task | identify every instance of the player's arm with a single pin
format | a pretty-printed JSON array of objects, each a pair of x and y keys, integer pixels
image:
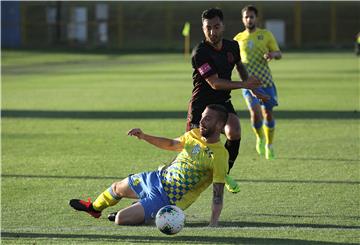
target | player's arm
[
  {"x": 240, "y": 67},
  {"x": 217, "y": 83},
  {"x": 160, "y": 142},
  {"x": 274, "y": 51},
  {"x": 217, "y": 203}
]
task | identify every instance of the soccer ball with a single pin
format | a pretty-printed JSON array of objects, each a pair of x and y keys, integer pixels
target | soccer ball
[{"x": 170, "y": 219}]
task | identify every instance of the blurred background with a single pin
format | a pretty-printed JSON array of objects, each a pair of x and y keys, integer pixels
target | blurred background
[{"x": 157, "y": 26}]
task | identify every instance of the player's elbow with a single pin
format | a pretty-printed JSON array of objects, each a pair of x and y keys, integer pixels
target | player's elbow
[{"x": 215, "y": 86}]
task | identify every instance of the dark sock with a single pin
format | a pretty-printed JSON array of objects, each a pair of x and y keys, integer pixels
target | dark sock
[{"x": 232, "y": 146}]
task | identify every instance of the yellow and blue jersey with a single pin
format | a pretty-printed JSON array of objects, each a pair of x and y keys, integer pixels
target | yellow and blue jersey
[
  {"x": 197, "y": 166},
  {"x": 253, "y": 46}
]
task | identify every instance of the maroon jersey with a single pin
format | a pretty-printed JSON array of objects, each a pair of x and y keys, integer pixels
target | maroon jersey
[{"x": 207, "y": 61}]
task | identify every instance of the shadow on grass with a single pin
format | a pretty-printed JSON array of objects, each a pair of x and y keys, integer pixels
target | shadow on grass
[
  {"x": 320, "y": 159},
  {"x": 241, "y": 224},
  {"x": 166, "y": 114},
  {"x": 264, "y": 181},
  {"x": 166, "y": 239}
]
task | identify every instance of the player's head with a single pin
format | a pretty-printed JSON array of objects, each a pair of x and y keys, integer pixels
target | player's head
[
  {"x": 249, "y": 14},
  {"x": 213, "y": 26},
  {"x": 213, "y": 120}
]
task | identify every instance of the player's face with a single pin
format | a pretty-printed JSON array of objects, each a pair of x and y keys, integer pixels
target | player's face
[
  {"x": 213, "y": 30},
  {"x": 249, "y": 19},
  {"x": 208, "y": 123}
]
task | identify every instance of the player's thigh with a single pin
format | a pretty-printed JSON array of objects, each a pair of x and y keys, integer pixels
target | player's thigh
[
  {"x": 123, "y": 189},
  {"x": 132, "y": 215},
  {"x": 232, "y": 128}
]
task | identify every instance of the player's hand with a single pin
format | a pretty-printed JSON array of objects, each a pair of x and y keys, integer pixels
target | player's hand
[
  {"x": 268, "y": 56},
  {"x": 252, "y": 82},
  {"x": 137, "y": 132},
  {"x": 260, "y": 96}
]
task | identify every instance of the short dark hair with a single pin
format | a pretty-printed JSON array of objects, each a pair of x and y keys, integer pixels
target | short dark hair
[
  {"x": 221, "y": 111},
  {"x": 250, "y": 8},
  {"x": 212, "y": 13}
]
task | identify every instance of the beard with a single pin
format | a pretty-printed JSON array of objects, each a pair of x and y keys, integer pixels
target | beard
[
  {"x": 206, "y": 132},
  {"x": 250, "y": 26},
  {"x": 214, "y": 40}
]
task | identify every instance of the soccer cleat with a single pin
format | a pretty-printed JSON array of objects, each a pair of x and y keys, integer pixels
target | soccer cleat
[
  {"x": 112, "y": 216},
  {"x": 269, "y": 153},
  {"x": 260, "y": 146},
  {"x": 231, "y": 185},
  {"x": 81, "y": 205}
]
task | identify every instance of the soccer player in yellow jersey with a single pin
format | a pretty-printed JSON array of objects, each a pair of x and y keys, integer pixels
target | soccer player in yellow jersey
[
  {"x": 203, "y": 160},
  {"x": 257, "y": 48}
]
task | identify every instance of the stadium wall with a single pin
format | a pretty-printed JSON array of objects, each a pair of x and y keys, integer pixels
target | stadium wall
[{"x": 157, "y": 26}]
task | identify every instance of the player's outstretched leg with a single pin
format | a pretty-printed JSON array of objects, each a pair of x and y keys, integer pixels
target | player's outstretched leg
[
  {"x": 87, "y": 207},
  {"x": 109, "y": 197}
]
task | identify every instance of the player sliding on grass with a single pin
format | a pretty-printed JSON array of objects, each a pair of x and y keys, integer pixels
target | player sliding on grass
[
  {"x": 213, "y": 61},
  {"x": 202, "y": 160},
  {"x": 257, "y": 48}
]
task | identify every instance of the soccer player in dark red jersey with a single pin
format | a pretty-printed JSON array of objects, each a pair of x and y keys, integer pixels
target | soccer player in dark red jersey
[{"x": 213, "y": 61}]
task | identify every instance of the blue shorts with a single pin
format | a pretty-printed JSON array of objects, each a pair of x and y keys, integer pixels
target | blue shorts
[
  {"x": 251, "y": 101},
  {"x": 151, "y": 194}
]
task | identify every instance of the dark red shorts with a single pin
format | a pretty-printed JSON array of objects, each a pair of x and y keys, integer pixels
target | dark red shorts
[{"x": 194, "y": 114}]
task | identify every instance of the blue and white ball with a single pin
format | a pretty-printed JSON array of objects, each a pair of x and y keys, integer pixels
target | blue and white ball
[{"x": 170, "y": 219}]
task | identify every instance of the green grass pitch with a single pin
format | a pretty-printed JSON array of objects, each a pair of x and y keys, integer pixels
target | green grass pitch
[{"x": 64, "y": 123}]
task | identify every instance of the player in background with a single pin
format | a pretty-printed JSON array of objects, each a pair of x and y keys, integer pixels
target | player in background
[
  {"x": 202, "y": 160},
  {"x": 257, "y": 48},
  {"x": 213, "y": 61}
]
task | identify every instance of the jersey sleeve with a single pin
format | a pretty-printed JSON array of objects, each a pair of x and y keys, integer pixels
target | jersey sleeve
[
  {"x": 182, "y": 138},
  {"x": 272, "y": 44},
  {"x": 203, "y": 64},
  {"x": 220, "y": 167}
]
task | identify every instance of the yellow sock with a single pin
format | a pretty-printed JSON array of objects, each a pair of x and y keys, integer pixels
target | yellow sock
[
  {"x": 106, "y": 199},
  {"x": 269, "y": 134},
  {"x": 258, "y": 132}
]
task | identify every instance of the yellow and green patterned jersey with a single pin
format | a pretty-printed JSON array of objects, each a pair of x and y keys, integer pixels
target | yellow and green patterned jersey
[
  {"x": 197, "y": 166},
  {"x": 253, "y": 46}
]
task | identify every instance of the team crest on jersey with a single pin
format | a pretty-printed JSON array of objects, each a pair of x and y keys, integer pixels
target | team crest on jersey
[
  {"x": 196, "y": 149},
  {"x": 230, "y": 57},
  {"x": 260, "y": 37}
]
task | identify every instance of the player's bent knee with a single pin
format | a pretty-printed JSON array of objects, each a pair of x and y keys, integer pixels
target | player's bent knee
[
  {"x": 119, "y": 187},
  {"x": 133, "y": 215},
  {"x": 233, "y": 133}
]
